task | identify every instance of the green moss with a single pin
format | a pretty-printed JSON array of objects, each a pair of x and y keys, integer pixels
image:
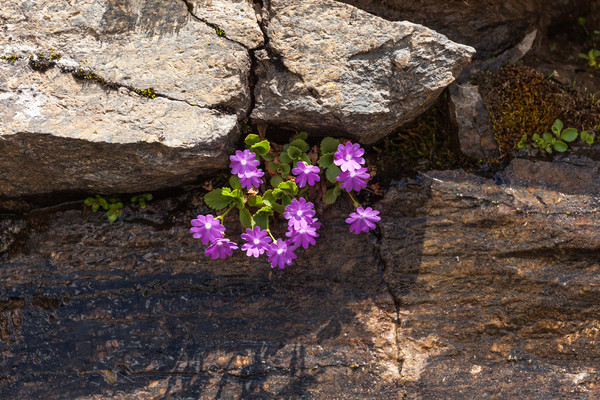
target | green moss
[
  {"x": 521, "y": 102},
  {"x": 88, "y": 75},
  {"x": 11, "y": 58},
  {"x": 147, "y": 93}
]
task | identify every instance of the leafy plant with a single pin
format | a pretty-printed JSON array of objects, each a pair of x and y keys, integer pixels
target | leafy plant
[
  {"x": 113, "y": 206},
  {"x": 592, "y": 57},
  {"x": 291, "y": 176},
  {"x": 141, "y": 199},
  {"x": 557, "y": 140}
]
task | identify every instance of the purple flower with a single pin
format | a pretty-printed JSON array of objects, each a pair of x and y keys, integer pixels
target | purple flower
[
  {"x": 299, "y": 213},
  {"x": 243, "y": 162},
  {"x": 304, "y": 236},
  {"x": 348, "y": 157},
  {"x": 220, "y": 248},
  {"x": 207, "y": 228},
  {"x": 306, "y": 173},
  {"x": 363, "y": 219},
  {"x": 251, "y": 179},
  {"x": 258, "y": 241},
  {"x": 280, "y": 253},
  {"x": 353, "y": 180}
]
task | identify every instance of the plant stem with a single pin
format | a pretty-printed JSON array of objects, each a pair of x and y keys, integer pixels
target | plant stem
[
  {"x": 220, "y": 217},
  {"x": 269, "y": 231},
  {"x": 356, "y": 203}
]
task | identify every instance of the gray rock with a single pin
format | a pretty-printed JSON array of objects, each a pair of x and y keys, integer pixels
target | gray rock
[
  {"x": 334, "y": 68},
  {"x": 475, "y": 132},
  {"x": 60, "y": 133},
  {"x": 237, "y": 18}
]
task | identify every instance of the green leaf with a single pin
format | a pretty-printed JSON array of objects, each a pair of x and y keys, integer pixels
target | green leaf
[
  {"x": 278, "y": 207},
  {"x": 89, "y": 201},
  {"x": 216, "y": 200},
  {"x": 330, "y": 196},
  {"x": 268, "y": 157},
  {"x": 276, "y": 180},
  {"x": 284, "y": 158},
  {"x": 326, "y": 160},
  {"x": 301, "y": 144},
  {"x": 147, "y": 196},
  {"x": 261, "y": 220},
  {"x": 547, "y": 137},
  {"x": 560, "y": 146},
  {"x": 286, "y": 201},
  {"x": 255, "y": 201},
  {"x": 302, "y": 135},
  {"x": 283, "y": 169},
  {"x": 251, "y": 139},
  {"x": 584, "y": 56},
  {"x": 289, "y": 187},
  {"x": 234, "y": 182},
  {"x": 268, "y": 197},
  {"x": 332, "y": 173},
  {"x": 113, "y": 214},
  {"x": 293, "y": 152},
  {"x": 304, "y": 157},
  {"x": 95, "y": 207},
  {"x": 245, "y": 218},
  {"x": 277, "y": 193},
  {"x": 557, "y": 127},
  {"x": 142, "y": 203},
  {"x": 262, "y": 147},
  {"x": 568, "y": 135},
  {"x": 329, "y": 145}
]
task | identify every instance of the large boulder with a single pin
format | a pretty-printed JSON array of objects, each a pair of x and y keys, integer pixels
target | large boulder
[
  {"x": 117, "y": 97},
  {"x": 330, "y": 67}
]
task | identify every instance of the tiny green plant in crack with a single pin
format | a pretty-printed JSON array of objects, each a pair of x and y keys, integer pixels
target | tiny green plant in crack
[
  {"x": 592, "y": 57},
  {"x": 113, "y": 206},
  {"x": 558, "y": 139},
  {"x": 141, "y": 199},
  {"x": 220, "y": 32}
]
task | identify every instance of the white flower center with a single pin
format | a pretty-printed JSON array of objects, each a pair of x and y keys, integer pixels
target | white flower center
[
  {"x": 243, "y": 162},
  {"x": 299, "y": 213},
  {"x": 219, "y": 243},
  {"x": 352, "y": 174},
  {"x": 256, "y": 241},
  {"x": 207, "y": 225},
  {"x": 348, "y": 157},
  {"x": 279, "y": 251}
]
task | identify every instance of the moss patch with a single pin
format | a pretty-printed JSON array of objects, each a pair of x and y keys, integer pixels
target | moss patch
[{"x": 521, "y": 101}]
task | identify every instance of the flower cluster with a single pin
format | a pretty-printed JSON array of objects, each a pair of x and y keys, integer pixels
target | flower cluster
[
  {"x": 244, "y": 164},
  {"x": 291, "y": 174}
]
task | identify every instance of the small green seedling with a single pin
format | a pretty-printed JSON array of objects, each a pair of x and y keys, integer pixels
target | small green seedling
[
  {"x": 522, "y": 143},
  {"x": 592, "y": 57},
  {"x": 113, "y": 206},
  {"x": 557, "y": 140},
  {"x": 141, "y": 199},
  {"x": 587, "y": 137}
]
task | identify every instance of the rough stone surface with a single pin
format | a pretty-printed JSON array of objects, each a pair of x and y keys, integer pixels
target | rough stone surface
[
  {"x": 61, "y": 133},
  {"x": 496, "y": 286},
  {"x": 237, "y": 18},
  {"x": 470, "y": 289},
  {"x": 475, "y": 132},
  {"x": 134, "y": 310},
  {"x": 490, "y": 26},
  {"x": 331, "y": 67}
]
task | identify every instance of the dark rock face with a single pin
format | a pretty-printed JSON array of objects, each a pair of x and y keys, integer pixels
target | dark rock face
[
  {"x": 491, "y": 27},
  {"x": 471, "y": 290}
]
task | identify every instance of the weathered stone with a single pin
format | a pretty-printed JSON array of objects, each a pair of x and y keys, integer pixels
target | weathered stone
[
  {"x": 92, "y": 133},
  {"x": 496, "y": 287},
  {"x": 236, "y": 17},
  {"x": 489, "y": 26},
  {"x": 572, "y": 175},
  {"x": 59, "y": 135},
  {"x": 135, "y": 310},
  {"x": 475, "y": 132},
  {"x": 336, "y": 69}
]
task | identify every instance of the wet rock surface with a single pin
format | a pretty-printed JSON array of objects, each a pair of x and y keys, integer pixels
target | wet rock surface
[
  {"x": 470, "y": 288},
  {"x": 331, "y": 67}
]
